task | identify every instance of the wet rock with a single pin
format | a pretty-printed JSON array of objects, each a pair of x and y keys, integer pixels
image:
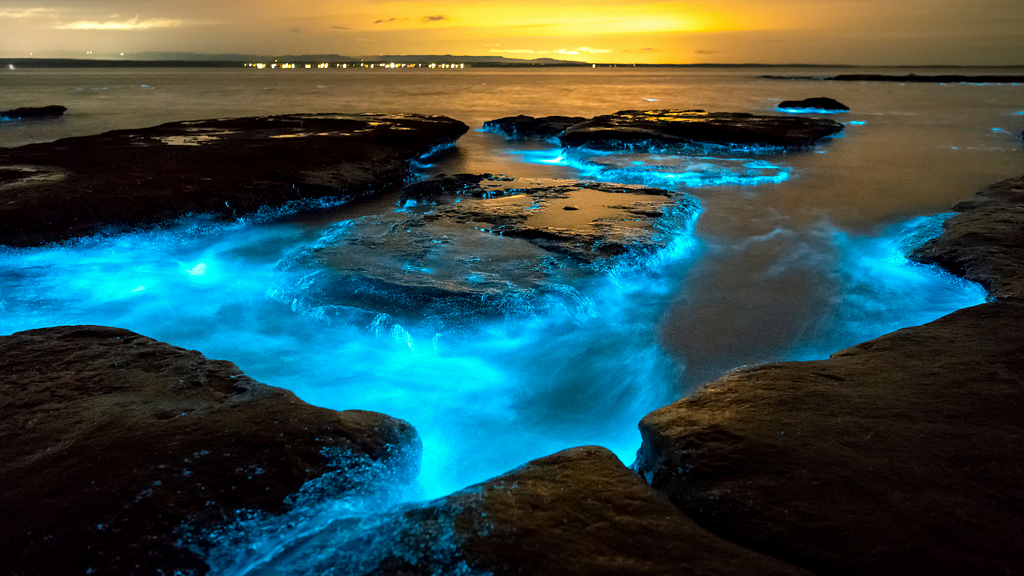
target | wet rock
[
  {"x": 112, "y": 445},
  {"x": 897, "y": 456},
  {"x": 676, "y": 130},
  {"x": 131, "y": 178},
  {"x": 521, "y": 126},
  {"x": 814, "y": 105},
  {"x": 577, "y": 512},
  {"x": 29, "y": 113},
  {"x": 984, "y": 241},
  {"x": 469, "y": 246}
]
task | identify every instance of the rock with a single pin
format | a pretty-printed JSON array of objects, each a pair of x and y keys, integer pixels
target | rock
[
  {"x": 670, "y": 130},
  {"x": 229, "y": 168},
  {"x": 33, "y": 113},
  {"x": 514, "y": 127},
  {"x": 113, "y": 445},
  {"x": 470, "y": 246},
  {"x": 813, "y": 105},
  {"x": 577, "y": 512},
  {"x": 901, "y": 455},
  {"x": 938, "y": 79},
  {"x": 984, "y": 241}
]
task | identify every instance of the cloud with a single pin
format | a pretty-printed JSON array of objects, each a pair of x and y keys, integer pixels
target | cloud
[
  {"x": 130, "y": 24},
  {"x": 388, "y": 20},
  {"x": 340, "y": 28},
  {"x": 705, "y": 51},
  {"x": 433, "y": 18},
  {"x": 581, "y": 50},
  {"x": 25, "y": 12},
  {"x": 296, "y": 30},
  {"x": 521, "y": 51},
  {"x": 642, "y": 51}
]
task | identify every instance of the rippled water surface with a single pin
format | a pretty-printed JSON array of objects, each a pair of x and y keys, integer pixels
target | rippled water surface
[{"x": 789, "y": 256}]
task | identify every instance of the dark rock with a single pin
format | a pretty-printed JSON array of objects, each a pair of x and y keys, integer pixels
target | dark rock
[
  {"x": 901, "y": 455},
  {"x": 131, "y": 178},
  {"x": 33, "y": 113},
  {"x": 467, "y": 246},
  {"x": 577, "y": 512},
  {"x": 659, "y": 130},
  {"x": 984, "y": 241},
  {"x": 521, "y": 126},
  {"x": 814, "y": 105},
  {"x": 111, "y": 443},
  {"x": 938, "y": 79}
]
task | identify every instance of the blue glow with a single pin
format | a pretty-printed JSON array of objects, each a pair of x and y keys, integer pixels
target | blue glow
[
  {"x": 811, "y": 111},
  {"x": 857, "y": 122}
]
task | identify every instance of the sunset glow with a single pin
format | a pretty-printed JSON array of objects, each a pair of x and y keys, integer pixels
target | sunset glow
[{"x": 600, "y": 31}]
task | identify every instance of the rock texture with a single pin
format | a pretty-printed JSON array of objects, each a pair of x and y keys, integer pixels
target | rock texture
[
  {"x": 479, "y": 245},
  {"x": 112, "y": 441},
  {"x": 658, "y": 130},
  {"x": 40, "y": 113},
  {"x": 577, "y": 512},
  {"x": 514, "y": 127},
  {"x": 814, "y": 105},
  {"x": 901, "y": 455},
  {"x": 130, "y": 178},
  {"x": 984, "y": 241}
]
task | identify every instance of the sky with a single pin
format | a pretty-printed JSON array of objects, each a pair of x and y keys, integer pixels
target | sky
[{"x": 864, "y": 32}]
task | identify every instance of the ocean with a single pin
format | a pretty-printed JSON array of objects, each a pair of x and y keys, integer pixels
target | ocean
[{"x": 793, "y": 256}]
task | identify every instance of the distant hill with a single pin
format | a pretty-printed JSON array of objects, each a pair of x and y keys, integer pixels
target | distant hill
[{"x": 186, "y": 59}]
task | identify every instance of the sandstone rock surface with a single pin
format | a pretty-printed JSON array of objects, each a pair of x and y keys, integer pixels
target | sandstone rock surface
[
  {"x": 657, "y": 130},
  {"x": 113, "y": 443},
  {"x": 901, "y": 455},
  {"x": 130, "y": 178},
  {"x": 984, "y": 241},
  {"x": 514, "y": 127}
]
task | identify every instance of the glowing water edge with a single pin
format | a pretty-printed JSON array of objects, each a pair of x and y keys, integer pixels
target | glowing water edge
[{"x": 790, "y": 257}]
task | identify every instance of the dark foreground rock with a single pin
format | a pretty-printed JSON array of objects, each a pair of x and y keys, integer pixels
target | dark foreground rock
[
  {"x": 577, "y": 512},
  {"x": 937, "y": 78},
  {"x": 470, "y": 246},
  {"x": 658, "y": 130},
  {"x": 39, "y": 113},
  {"x": 984, "y": 241},
  {"x": 514, "y": 127},
  {"x": 901, "y": 455},
  {"x": 111, "y": 442},
  {"x": 130, "y": 178},
  {"x": 814, "y": 105}
]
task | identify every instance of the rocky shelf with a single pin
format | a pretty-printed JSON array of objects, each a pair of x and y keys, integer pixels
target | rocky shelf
[
  {"x": 229, "y": 168},
  {"x": 33, "y": 113},
  {"x": 117, "y": 448}
]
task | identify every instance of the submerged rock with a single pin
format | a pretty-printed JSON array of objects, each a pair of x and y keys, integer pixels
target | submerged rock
[
  {"x": 671, "y": 130},
  {"x": 29, "y": 113},
  {"x": 475, "y": 245},
  {"x": 938, "y": 78},
  {"x": 814, "y": 105},
  {"x": 521, "y": 126},
  {"x": 897, "y": 456},
  {"x": 984, "y": 241},
  {"x": 130, "y": 178},
  {"x": 577, "y": 512},
  {"x": 115, "y": 447}
]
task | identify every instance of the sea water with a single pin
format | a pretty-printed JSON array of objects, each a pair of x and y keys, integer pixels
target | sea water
[{"x": 791, "y": 256}]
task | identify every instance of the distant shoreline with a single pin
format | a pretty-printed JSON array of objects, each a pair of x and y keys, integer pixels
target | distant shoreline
[{"x": 302, "y": 62}]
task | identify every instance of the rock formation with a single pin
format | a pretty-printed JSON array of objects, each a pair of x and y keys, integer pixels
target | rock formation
[
  {"x": 661, "y": 130},
  {"x": 516, "y": 127},
  {"x": 114, "y": 446},
  {"x": 130, "y": 178},
  {"x": 29, "y": 113},
  {"x": 813, "y": 105}
]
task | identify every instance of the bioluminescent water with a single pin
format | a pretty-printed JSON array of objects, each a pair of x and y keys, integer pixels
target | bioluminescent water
[{"x": 760, "y": 257}]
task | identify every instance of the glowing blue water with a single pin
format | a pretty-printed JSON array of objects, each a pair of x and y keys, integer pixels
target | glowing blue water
[{"x": 811, "y": 111}]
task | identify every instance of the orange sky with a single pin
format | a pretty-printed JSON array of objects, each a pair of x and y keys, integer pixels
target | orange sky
[{"x": 969, "y": 32}]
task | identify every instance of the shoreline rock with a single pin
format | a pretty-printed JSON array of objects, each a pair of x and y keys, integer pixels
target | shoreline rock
[
  {"x": 127, "y": 179},
  {"x": 30, "y": 113},
  {"x": 938, "y": 78},
  {"x": 114, "y": 445},
  {"x": 658, "y": 130},
  {"x": 819, "y": 104},
  {"x": 522, "y": 127}
]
